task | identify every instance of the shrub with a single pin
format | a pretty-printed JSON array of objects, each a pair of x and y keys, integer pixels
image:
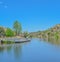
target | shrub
[
  {"x": 26, "y": 34},
  {"x": 9, "y": 32}
]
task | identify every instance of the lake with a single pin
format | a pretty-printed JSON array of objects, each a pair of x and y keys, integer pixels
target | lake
[{"x": 35, "y": 51}]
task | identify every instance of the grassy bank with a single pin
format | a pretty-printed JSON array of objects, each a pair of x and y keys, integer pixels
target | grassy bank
[{"x": 7, "y": 42}]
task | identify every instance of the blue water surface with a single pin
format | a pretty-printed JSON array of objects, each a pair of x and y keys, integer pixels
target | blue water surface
[{"x": 34, "y": 51}]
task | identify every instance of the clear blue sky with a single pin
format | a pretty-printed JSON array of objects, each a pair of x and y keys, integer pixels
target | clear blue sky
[{"x": 34, "y": 15}]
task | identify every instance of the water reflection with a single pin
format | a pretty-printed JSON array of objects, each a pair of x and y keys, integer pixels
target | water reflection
[
  {"x": 2, "y": 49},
  {"x": 15, "y": 49},
  {"x": 52, "y": 40},
  {"x": 34, "y": 51}
]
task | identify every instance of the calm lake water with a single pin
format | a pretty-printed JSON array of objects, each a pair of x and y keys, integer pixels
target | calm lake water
[{"x": 34, "y": 51}]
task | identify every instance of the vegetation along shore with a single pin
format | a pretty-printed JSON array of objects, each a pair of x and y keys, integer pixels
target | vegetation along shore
[
  {"x": 52, "y": 34},
  {"x": 16, "y": 33},
  {"x": 8, "y": 35}
]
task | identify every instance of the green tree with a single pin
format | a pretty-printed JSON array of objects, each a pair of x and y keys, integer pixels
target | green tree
[
  {"x": 17, "y": 27},
  {"x": 2, "y": 31},
  {"x": 9, "y": 32},
  {"x": 26, "y": 34},
  {"x": 56, "y": 35}
]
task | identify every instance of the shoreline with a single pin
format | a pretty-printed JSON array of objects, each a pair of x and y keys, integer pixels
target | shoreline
[{"x": 11, "y": 40}]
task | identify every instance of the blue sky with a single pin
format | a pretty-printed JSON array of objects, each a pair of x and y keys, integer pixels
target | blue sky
[{"x": 34, "y": 15}]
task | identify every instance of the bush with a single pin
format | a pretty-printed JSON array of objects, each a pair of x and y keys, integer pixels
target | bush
[
  {"x": 9, "y": 32},
  {"x": 26, "y": 34}
]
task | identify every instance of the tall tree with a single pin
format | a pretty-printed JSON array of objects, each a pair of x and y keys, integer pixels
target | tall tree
[{"x": 17, "y": 27}]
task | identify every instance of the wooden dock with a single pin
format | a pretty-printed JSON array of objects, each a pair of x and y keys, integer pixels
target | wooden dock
[{"x": 15, "y": 40}]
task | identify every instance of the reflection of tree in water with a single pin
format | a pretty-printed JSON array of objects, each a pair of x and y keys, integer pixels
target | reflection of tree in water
[
  {"x": 5, "y": 48},
  {"x": 17, "y": 51},
  {"x": 1, "y": 49},
  {"x": 52, "y": 40},
  {"x": 8, "y": 49}
]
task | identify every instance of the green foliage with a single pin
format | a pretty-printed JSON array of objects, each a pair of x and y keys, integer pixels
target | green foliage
[
  {"x": 56, "y": 35},
  {"x": 26, "y": 34},
  {"x": 2, "y": 31},
  {"x": 30, "y": 36},
  {"x": 8, "y": 42},
  {"x": 9, "y": 32},
  {"x": 17, "y": 27}
]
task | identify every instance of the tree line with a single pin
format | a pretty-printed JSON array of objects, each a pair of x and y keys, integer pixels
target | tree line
[
  {"x": 8, "y": 32},
  {"x": 16, "y": 31}
]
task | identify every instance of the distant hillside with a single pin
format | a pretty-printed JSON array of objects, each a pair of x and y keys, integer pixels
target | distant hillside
[{"x": 53, "y": 32}]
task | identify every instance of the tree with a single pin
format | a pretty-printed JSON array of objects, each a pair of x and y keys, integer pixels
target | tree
[
  {"x": 9, "y": 32},
  {"x": 2, "y": 31},
  {"x": 17, "y": 27},
  {"x": 26, "y": 34},
  {"x": 56, "y": 35}
]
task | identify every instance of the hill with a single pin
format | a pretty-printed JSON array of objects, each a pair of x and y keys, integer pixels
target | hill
[{"x": 53, "y": 32}]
